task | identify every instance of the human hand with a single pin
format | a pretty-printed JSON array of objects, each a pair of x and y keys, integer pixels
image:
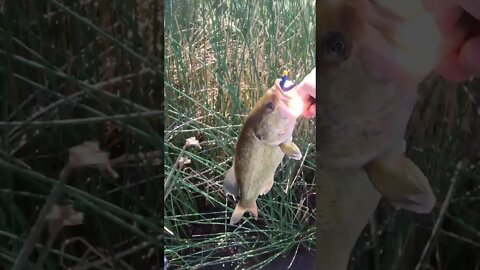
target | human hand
[
  {"x": 459, "y": 24},
  {"x": 307, "y": 89}
]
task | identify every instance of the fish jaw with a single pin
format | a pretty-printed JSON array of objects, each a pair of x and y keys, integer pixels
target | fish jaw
[{"x": 292, "y": 103}]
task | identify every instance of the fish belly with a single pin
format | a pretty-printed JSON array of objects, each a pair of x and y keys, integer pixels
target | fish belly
[{"x": 257, "y": 168}]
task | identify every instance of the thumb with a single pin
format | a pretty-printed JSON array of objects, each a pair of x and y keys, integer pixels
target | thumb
[
  {"x": 470, "y": 55},
  {"x": 307, "y": 87}
]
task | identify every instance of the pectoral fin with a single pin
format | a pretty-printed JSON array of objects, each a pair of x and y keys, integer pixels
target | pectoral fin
[
  {"x": 291, "y": 150},
  {"x": 402, "y": 183},
  {"x": 230, "y": 183}
]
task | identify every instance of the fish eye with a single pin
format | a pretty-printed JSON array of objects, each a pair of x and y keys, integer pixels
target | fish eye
[
  {"x": 270, "y": 106},
  {"x": 335, "y": 46}
]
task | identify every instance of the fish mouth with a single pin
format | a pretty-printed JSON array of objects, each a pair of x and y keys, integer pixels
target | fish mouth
[
  {"x": 290, "y": 100},
  {"x": 294, "y": 102}
]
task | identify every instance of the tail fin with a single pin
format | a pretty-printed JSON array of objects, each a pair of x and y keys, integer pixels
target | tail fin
[{"x": 239, "y": 211}]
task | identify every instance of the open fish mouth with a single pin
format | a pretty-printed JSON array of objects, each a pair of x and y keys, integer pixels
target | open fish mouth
[
  {"x": 301, "y": 104},
  {"x": 291, "y": 101}
]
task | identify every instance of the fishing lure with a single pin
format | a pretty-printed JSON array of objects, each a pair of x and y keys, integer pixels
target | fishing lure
[{"x": 284, "y": 80}]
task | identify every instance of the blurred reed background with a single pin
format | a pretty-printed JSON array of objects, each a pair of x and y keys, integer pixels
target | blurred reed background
[{"x": 70, "y": 72}]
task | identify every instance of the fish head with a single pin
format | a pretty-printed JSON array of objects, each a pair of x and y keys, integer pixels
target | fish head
[
  {"x": 377, "y": 40},
  {"x": 274, "y": 117},
  {"x": 369, "y": 65}
]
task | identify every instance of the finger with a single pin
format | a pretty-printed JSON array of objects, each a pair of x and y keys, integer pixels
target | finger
[
  {"x": 471, "y": 6},
  {"x": 470, "y": 56},
  {"x": 452, "y": 69},
  {"x": 306, "y": 90},
  {"x": 447, "y": 19},
  {"x": 435, "y": 5},
  {"x": 307, "y": 85}
]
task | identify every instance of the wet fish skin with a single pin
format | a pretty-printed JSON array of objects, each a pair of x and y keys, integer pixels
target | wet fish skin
[{"x": 266, "y": 137}]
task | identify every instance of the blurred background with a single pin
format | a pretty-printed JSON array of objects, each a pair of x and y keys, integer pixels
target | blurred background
[
  {"x": 70, "y": 72},
  {"x": 220, "y": 57}
]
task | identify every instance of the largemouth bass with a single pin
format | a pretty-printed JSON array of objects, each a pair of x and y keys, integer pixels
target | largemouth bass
[
  {"x": 266, "y": 137},
  {"x": 370, "y": 61},
  {"x": 368, "y": 77}
]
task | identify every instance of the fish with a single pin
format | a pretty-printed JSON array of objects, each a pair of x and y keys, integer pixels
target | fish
[
  {"x": 368, "y": 88},
  {"x": 264, "y": 140},
  {"x": 369, "y": 65}
]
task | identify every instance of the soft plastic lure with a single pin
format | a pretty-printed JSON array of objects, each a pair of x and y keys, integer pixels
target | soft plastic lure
[{"x": 284, "y": 80}]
